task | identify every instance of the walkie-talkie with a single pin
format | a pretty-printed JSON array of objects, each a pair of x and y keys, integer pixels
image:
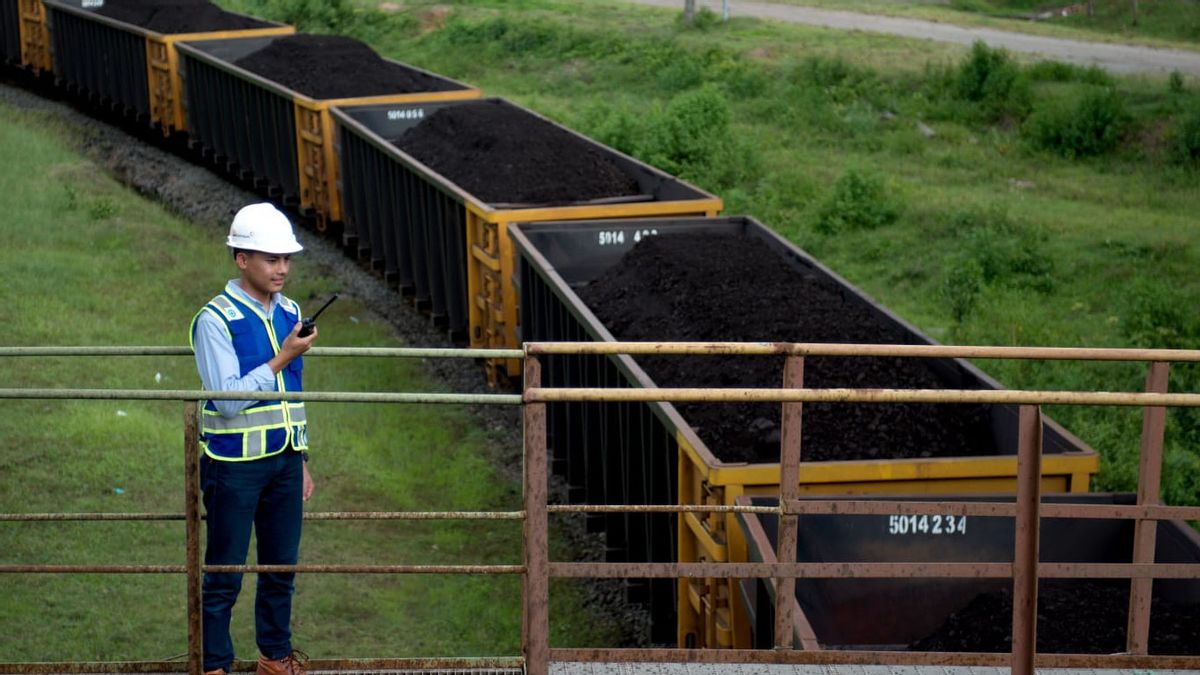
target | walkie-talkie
[{"x": 307, "y": 323}]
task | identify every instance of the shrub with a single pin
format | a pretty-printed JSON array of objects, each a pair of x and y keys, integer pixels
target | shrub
[
  {"x": 704, "y": 19},
  {"x": 859, "y": 202},
  {"x": 1097, "y": 76},
  {"x": 684, "y": 73},
  {"x": 314, "y": 15},
  {"x": 102, "y": 209},
  {"x": 1156, "y": 315},
  {"x": 690, "y": 130},
  {"x": 961, "y": 285},
  {"x": 840, "y": 81},
  {"x": 1187, "y": 140},
  {"x": 615, "y": 127},
  {"x": 1175, "y": 82},
  {"x": 992, "y": 80},
  {"x": 1080, "y": 126},
  {"x": 689, "y": 138},
  {"x": 1008, "y": 253},
  {"x": 1052, "y": 71}
]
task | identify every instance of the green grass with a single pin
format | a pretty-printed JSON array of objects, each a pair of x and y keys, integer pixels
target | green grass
[
  {"x": 1096, "y": 251},
  {"x": 90, "y": 263}
]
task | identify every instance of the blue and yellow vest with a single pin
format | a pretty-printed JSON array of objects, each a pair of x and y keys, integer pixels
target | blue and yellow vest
[{"x": 266, "y": 427}]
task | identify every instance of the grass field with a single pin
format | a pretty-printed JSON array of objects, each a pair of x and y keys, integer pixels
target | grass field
[
  {"x": 90, "y": 263},
  {"x": 1012, "y": 226}
]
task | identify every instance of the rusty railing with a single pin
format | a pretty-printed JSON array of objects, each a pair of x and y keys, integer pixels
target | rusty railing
[{"x": 538, "y": 569}]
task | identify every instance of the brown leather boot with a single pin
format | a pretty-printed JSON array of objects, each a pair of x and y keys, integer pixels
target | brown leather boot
[{"x": 292, "y": 664}]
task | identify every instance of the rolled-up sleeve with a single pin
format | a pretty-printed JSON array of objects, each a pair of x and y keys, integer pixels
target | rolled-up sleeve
[{"x": 218, "y": 365}]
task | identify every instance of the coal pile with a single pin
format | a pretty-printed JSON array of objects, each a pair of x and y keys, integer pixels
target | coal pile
[
  {"x": 1074, "y": 617},
  {"x": 504, "y": 155},
  {"x": 331, "y": 66},
  {"x": 708, "y": 286},
  {"x": 171, "y": 17}
]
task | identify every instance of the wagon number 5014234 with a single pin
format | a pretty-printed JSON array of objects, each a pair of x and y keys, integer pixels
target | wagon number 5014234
[{"x": 927, "y": 525}]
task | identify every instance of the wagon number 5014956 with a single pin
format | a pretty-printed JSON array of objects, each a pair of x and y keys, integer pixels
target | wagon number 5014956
[{"x": 927, "y": 525}]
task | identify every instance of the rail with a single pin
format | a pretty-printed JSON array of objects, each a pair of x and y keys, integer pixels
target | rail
[{"x": 538, "y": 569}]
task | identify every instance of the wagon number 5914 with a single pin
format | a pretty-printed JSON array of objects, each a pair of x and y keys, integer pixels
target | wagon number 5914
[{"x": 927, "y": 525}]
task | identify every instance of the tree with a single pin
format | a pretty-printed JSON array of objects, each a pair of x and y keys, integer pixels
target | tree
[{"x": 689, "y": 10}]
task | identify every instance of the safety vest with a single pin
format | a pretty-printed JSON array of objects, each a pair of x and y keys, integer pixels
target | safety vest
[{"x": 266, "y": 427}]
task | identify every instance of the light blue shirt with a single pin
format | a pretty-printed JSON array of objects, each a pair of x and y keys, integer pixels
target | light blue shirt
[{"x": 218, "y": 362}]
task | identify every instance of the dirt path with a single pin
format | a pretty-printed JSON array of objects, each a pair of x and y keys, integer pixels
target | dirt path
[{"x": 1115, "y": 58}]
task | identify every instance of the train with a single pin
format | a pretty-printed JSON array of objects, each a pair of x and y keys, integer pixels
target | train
[{"x": 495, "y": 260}]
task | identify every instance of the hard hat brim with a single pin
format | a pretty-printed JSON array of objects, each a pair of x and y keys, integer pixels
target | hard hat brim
[{"x": 286, "y": 249}]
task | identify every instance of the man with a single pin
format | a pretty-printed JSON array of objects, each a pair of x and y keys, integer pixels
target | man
[{"x": 254, "y": 472}]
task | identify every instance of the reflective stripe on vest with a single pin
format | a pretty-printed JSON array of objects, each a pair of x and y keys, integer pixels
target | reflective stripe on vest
[{"x": 250, "y": 419}]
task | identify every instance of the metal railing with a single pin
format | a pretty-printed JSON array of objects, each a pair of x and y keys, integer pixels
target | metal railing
[{"x": 538, "y": 569}]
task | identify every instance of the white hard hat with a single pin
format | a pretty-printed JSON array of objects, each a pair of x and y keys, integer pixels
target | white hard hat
[{"x": 262, "y": 227}]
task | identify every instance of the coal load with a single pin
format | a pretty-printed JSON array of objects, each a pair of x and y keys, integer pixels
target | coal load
[
  {"x": 1074, "y": 617},
  {"x": 709, "y": 286},
  {"x": 331, "y": 66},
  {"x": 171, "y": 17},
  {"x": 501, "y": 154}
]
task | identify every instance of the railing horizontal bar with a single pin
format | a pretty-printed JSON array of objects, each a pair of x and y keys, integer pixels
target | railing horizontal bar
[
  {"x": 795, "y": 507},
  {"x": 398, "y": 352},
  {"x": 739, "y": 570},
  {"x": 375, "y": 664},
  {"x": 845, "y": 570},
  {"x": 318, "y": 569},
  {"x": 416, "y": 515},
  {"x": 869, "y": 570},
  {"x": 826, "y": 349},
  {"x": 672, "y": 348},
  {"x": 309, "y": 396},
  {"x": 371, "y": 569},
  {"x": 549, "y": 395},
  {"x": 984, "y": 396},
  {"x": 93, "y": 569},
  {"x": 866, "y": 658},
  {"x": 988, "y": 509},
  {"x": 661, "y": 508},
  {"x": 34, "y": 517},
  {"x": 315, "y": 515}
]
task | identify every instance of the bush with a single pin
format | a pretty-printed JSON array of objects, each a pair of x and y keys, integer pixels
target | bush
[
  {"x": 990, "y": 78},
  {"x": 961, "y": 285},
  {"x": 679, "y": 75},
  {"x": 1156, "y": 315},
  {"x": 689, "y": 138},
  {"x": 1175, "y": 82},
  {"x": 1007, "y": 252},
  {"x": 1187, "y": 140},
  {"x": 705, "y": 19},
  {"x": 1080, "y": 126},
  {"x": 690, "y": 130},
  {"x": 859, "y": 202},
  {"x": 314, "y": 15}
]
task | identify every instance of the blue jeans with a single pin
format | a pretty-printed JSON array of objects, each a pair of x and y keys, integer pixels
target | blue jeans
[{"x": 266, "y": 494}]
